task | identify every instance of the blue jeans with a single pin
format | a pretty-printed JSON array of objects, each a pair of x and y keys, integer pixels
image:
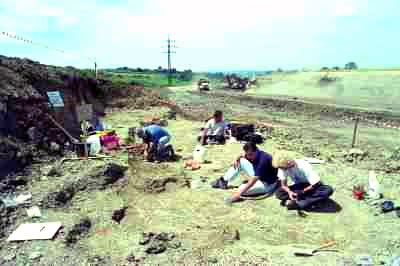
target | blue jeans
[{"x": 162, "y": 142}]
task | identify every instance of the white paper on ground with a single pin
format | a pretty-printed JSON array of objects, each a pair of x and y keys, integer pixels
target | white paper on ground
[
  {"x": 34, "y": 212},
  {"x": 23, "y": 198},
  {"x": 33, "y": 231}
]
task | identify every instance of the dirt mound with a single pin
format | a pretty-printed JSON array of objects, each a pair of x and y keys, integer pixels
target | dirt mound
[
  {"x": 60, "y": 199},
  {"x": 155, "y": 178},
  {"x": 78, "y": 231},
  {"x": 99, "y": 178},
  {"x": 159, "y": 242},
  {"x": 8, "y": 216}
]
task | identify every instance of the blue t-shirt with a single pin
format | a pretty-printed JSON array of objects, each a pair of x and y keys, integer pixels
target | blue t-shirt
[
  {"x": 263, "y": 168},
  {"x": 155, "y": 133}
]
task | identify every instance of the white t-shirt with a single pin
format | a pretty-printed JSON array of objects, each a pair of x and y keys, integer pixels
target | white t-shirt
[
  {"x": 302, "y": 172},
  {"x": 215, "y": 128}
]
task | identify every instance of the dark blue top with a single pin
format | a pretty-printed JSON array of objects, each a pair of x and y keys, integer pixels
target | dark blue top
[
  {"x": 263, "y": 168},
  {"x": 155, "y": 133}
]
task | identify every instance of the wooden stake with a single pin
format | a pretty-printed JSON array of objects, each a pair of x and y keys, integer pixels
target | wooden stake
[{"x": 355, "y": 132}]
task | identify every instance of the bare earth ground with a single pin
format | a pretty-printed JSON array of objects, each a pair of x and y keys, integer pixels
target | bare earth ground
[{"x": 204, "y": 225}]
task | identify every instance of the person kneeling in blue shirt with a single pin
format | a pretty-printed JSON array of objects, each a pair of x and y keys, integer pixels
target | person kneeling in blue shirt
[{"x": 156, "y": 139}]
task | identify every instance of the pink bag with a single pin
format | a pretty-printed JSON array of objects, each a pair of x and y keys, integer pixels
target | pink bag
[{"x": 110, "y": 142}]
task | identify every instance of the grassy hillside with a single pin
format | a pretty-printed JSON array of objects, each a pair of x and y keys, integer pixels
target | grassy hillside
[
  {"x": 148, "y": 79},
  {"x": 367, "y": 89}
]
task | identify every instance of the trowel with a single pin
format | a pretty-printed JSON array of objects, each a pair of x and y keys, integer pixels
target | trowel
[{"x": 311, "y": 251}]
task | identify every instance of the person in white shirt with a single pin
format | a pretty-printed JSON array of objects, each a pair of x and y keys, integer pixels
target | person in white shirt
[
  {"x": 307, "y": 188},
  {"x": 214, "y": 130}
]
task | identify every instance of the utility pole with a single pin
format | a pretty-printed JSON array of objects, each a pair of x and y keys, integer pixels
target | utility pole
[{"x": 170, "y": 45}]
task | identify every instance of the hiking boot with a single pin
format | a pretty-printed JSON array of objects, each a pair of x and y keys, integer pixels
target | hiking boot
[
  {"x": 220, "y": 183},
  {"x": 292, "y": 205}
]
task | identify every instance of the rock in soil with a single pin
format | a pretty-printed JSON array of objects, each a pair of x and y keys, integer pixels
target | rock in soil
[
  {"x": 131, "y": 258},
  {"x": 174, "y": 244},
  {"x": 165, "y": 236},
  {"x": 118, "y": 215},
  {"x": 35, "y": 255},
  {"x": 146, "y": 237},
  {"x": 101, "y": 177},
  {"x": 55, "y": 170},
  {"x": 156, "y": 247},
  {"x": 213, "y": 260},
  {"x": 99, "y": 261},
  {"x": 61, "y": 198},
  {"x": 79, "y": 231},
  {"x": 159, "y": 242}
]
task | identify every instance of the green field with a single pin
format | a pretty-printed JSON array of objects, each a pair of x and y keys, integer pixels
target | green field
[
  {"x": 147, "y": 79},
  {"x": 366, "y": 89}
]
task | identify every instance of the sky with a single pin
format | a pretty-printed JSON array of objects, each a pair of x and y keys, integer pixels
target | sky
[{"x": 210, "y": 35}]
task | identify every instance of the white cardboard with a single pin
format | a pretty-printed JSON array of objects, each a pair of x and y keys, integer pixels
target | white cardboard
[{"x": 33, "y": 231}]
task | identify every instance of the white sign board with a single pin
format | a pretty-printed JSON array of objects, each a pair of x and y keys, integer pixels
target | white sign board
[{"x": 55, "y": 98}]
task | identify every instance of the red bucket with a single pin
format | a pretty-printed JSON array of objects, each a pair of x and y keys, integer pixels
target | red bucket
[{"x": 358, "y": 195}]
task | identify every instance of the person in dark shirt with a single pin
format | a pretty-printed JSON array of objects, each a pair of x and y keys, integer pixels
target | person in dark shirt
[{"x": 257, "y": 165}]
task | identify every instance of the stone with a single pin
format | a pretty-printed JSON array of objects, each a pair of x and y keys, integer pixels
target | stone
[
  {"x": 156, "y": 247},
  {"x": 119, "y": 214},
  {"x": 10, "y": 256},
  {"x": 165, "y": 236},
  {"x": 35, "y": 255},
  {"x": 213, "y": 260},
  {"x": 55, "y": 171},
  {"x": 146, "y": 237},
  {"x": 78, "y": 231},
  {"x": 54, "y": 147},
  {"x": 174, "y": 244}
]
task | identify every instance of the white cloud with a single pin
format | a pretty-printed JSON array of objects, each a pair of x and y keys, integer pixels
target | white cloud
[{"x": 33, "y": 15}]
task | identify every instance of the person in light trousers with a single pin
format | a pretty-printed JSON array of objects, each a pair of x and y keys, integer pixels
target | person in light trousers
[{"x": 257, "y": 165}]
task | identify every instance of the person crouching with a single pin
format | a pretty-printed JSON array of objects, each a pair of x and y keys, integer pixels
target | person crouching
[
  {"x": 214, "y": 131},
  {"x": 307, "y": 188},
  {"x": 156, "y": 138}
]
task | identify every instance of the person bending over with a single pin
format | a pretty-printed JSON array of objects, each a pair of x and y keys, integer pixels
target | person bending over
[
  {"x": 155, "y": 138},
  {"x": 307, "y": 187}
]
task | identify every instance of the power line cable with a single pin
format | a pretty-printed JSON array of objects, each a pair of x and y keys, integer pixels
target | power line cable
[{"x": 28, "y": 41}]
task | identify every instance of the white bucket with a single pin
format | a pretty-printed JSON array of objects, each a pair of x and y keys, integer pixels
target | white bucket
[
  {"x": 374, "y": 190},
  {"x": 95, "y": 146},
  {"x": 200, "y": 154}
]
